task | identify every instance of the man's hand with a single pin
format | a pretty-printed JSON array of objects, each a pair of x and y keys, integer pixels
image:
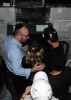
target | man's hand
[
  {"x": 37, "y": 67},
  {"x": 25, "y": 48}
]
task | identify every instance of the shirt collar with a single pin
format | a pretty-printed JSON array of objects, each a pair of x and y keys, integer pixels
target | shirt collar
[{"x": 16, "y": 42}]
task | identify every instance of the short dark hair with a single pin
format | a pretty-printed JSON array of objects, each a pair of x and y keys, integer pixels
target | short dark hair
[
  {"x": 19, "y": 26},
  {"x": 50, "y": 34}
]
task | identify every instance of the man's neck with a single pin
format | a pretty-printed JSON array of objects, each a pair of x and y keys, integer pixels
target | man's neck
[{"x": 17, "y": 38}]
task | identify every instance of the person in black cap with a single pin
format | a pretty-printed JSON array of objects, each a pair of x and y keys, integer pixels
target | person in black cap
[
  {"x": 35, "y": 52},
  {"x": 34, "y": 56},
  {"x": 13, "y": 54},
  {"x": 54, "y": 54}
]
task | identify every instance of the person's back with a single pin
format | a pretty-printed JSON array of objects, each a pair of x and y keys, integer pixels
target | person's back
[
  {"x": 60, "y": 82},
  {"x": 9, "y": 50},
  {"x": 34, "y": 56},
  {"x": 54, "y": 52},
  {"x": 55, "y": 57}
]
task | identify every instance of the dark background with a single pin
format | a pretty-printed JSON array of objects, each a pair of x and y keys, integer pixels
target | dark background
[{"x": 46, "y": 1}]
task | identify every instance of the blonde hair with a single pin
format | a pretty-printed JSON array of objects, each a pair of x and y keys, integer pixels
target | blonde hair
[{"x": 34, "y": 57}]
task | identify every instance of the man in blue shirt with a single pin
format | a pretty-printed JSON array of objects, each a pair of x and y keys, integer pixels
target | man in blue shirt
[{"x": 13, "y": 52}]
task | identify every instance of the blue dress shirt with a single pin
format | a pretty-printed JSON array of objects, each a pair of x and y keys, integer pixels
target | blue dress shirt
[{"x": 13, "y": 54}]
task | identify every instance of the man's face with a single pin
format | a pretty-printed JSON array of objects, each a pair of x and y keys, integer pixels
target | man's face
[{"x": 24, "y": 34}]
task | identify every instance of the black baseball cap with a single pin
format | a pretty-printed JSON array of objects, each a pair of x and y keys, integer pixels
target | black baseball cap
[{"x": 35, "y": 46}]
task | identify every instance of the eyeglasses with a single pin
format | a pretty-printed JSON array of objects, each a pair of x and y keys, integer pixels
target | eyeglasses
[{"x": 25, "y": 35}]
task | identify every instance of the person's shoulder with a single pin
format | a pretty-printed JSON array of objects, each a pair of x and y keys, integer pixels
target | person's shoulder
[
  {"x": 68, "y": 69},
  {"x": 9, "y": 44},
  {"x": 7, "y": 39}
]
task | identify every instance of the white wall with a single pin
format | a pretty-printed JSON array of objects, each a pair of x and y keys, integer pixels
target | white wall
[
  {"x": 7, "y": 15},
  {"x": 61, "y": 19}
]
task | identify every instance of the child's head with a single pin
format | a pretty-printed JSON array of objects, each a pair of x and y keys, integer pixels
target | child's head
[
  {"x": 35, "y": 52},
  {"x": 41, "y": 89}
]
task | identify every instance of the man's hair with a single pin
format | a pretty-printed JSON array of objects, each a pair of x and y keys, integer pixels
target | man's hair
[{"x": 18, "y": 26}]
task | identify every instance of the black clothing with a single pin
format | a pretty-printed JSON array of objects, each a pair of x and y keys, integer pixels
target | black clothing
[
  {"x": 2, "y": 80},
  {"x": 19, "y": 82},
  {"x": 60, "y": 83},
  {"x": 4, "y": 92},
  {"x": 54, "y": 57}
]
